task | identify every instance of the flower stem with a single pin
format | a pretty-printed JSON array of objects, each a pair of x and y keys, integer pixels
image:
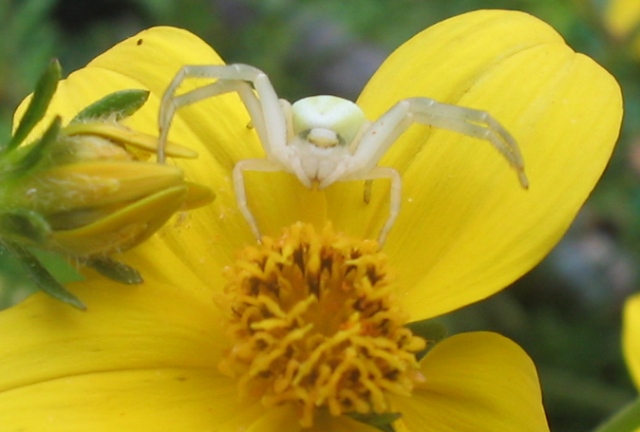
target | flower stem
[{"x": 625, "y": 420}]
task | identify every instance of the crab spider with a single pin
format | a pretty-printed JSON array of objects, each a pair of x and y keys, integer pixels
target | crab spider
[{"x": 325, "y": 139}]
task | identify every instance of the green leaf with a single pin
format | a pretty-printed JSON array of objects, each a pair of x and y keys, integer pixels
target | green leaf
[
  {"x": 429, "y": 330},
  {"x": 41, "y": 277},
  {"x": 31, "y": 155},
  {"x": 23, "y": 225},
  {"x": 120, "y": 104},
  {"x": 625, "y": 420},
  {"x": 383, "y": 422},
  {"x": 38, "y": 105},
  {"x": 115, "y": 270}
]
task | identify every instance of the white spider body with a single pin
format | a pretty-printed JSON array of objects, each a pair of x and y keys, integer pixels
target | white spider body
[
  {"x": 324, "y": 139},
  {"x": 321, "y": 131}
]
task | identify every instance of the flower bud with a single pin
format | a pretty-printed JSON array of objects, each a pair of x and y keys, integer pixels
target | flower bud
[
  {"x": 94, "y": 195},
  {"x": 86, "y": 190}
]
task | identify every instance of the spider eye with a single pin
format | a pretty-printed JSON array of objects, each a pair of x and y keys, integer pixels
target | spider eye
[{"x": 341, "y": 116}]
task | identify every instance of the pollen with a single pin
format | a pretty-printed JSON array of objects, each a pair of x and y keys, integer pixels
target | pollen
[{"x": 314, "y": 322}]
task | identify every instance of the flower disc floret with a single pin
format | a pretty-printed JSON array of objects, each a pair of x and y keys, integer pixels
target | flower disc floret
[{"x": 314, "y": 322}]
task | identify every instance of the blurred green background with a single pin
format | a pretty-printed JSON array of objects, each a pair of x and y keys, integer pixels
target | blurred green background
[{"x": 566, "y": 313}]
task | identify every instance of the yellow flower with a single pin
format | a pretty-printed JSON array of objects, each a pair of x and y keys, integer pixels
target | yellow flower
[
  {"x": 628, "y": 418},
  {"x": 622, "y": 18},
  {"x": 305, "y": 330},
  {"x": 631, "y": 337}
]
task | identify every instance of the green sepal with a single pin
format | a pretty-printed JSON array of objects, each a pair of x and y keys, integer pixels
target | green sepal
[
  {"x": 383, "y": 422},
  {"x": 58, "y": 265},
  {"x": 41, "y": 277},
  {"x": 38, "y": 105},
  {"x": 25, "y": 158},
  {"x": 24, "y": 225},
  {"x": 429, "y": 330},
  {"x": 115, "y": 270},
  {"x": 117, "y": 105}
]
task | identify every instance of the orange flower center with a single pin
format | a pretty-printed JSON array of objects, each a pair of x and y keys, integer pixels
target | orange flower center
[{"x": 314, "y": 322}]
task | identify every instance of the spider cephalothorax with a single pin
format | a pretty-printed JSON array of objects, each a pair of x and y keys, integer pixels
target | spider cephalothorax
[{"x": 324, "y": 139}]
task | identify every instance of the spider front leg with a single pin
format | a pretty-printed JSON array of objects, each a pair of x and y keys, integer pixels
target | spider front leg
[
  {"x": 467, "y": 121},
  {"x": 263, "y": 106}
]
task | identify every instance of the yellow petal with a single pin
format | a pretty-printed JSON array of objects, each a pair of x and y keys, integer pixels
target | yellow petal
[
  {"x": 285, "y": 418},
  {"x": 326, "y": 422},
  {"x": 467, "y": 229},
  {"x": 143, "y": 327},
  {"x": 475, "y": 382},
  {"x": 140, "y": 358},
  {"x": 631, "y": 337},
  {"x": 159, "y": 399}
]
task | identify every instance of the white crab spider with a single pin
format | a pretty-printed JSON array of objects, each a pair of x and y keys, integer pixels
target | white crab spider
[{"x": 324, "y": 139}]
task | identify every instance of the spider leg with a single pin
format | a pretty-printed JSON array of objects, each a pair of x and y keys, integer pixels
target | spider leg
[
  {"x": 479, "y": 124},
  {"x": 263, "y": 105},
  {"x": 261, "y": 165},
  {"x": 395, "y": 194},
  {"x": 249, "y": 99}
]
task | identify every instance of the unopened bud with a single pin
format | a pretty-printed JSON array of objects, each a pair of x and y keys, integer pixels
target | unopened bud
[{"x": 88, "y": 189}]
